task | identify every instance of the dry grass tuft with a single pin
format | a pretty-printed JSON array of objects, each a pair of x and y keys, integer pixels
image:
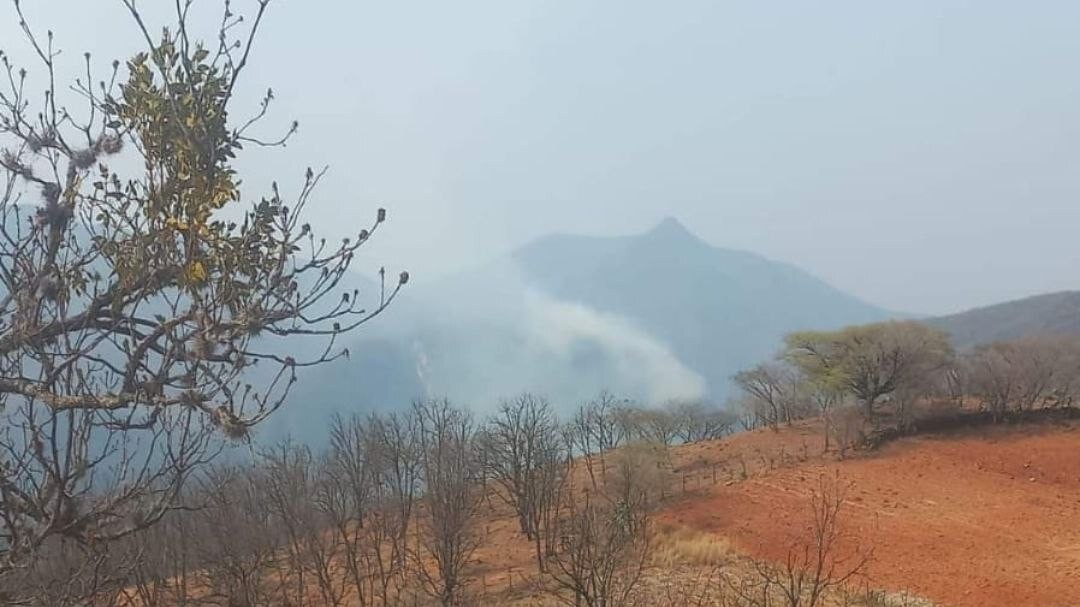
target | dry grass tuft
[{"x": 678, "y": 545}]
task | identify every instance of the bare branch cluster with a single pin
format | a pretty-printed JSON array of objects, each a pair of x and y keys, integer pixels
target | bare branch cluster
[
  {"x": 1022, "y": 375},
  {"x": 138, "y": 296}
]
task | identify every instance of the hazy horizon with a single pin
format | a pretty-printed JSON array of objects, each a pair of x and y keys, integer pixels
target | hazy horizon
[{"x": 920, "y": 156}]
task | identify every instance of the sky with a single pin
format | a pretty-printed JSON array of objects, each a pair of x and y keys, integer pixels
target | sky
[{"x": 921, "y": 155}]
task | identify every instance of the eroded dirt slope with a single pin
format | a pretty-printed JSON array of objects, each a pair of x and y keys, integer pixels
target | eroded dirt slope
[{"x": 989, "y": 517}]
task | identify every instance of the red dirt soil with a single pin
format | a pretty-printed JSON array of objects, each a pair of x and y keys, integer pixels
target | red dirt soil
[{"x": 988, "y": 517}]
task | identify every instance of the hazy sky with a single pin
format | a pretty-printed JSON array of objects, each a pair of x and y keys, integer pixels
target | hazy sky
[{"x": 921, "y": 155}]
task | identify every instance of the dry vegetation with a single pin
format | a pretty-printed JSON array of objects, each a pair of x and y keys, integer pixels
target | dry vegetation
[
  {"x": 433, "y": 506},
  {"x": 132, "y": 313},
  {"x": 400, "y": 509}
]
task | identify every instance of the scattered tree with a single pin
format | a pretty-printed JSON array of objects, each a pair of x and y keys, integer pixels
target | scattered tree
[
  {"x": 597, "y": 427},
  {"x": 234, "y": 540},
  {"x": 604, "y": 538},
  {"x": 304, "y": 506},
  {"x": 521, "y": 449},
  {"x": 771, "y": 387},
  {"x": 370, "y": 481},
  {"x": 870, "y": 361},
  {"x": 1022, "y": 374},
  {"x": 697, "y": 421},
  {"x": 452, "y": 495}
]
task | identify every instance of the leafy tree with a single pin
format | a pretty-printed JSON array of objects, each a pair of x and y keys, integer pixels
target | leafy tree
[
  {"x": 138, "y": 290},
  {"x": 869, "y": 361}
]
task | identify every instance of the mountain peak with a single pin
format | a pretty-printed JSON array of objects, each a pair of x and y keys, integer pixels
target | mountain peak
[
  {"x": 669, "y": 223},
  {"x": 672, "y": 230}
]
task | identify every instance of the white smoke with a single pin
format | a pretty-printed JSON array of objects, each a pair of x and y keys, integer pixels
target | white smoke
[
  {"x": 487, "y": 341},
  {"x": 422, "y": 365},
  {"x": 554, "y": 327}
]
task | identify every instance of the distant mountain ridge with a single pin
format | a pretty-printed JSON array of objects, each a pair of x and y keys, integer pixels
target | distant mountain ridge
[
  {"x": 653, "y": 315},
  {"x": 720, "y": 310},
  {"x": 1047, "y": 314}
]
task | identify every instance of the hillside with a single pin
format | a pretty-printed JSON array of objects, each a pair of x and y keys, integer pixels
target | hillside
[
  {"x": 655, "y": 315},
  {"x": 980, "y": 517},
  {"x": 1052, "y": 313}
]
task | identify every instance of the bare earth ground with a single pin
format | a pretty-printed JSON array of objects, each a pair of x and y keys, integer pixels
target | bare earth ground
[{"x": 987, "y": 517}]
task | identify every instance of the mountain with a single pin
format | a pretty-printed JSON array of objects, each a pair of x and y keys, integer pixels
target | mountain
[
  {"x": 653, "y": 316},
  {"x": 1051, "y": 313},
  {"x": 719, "y": 310}
]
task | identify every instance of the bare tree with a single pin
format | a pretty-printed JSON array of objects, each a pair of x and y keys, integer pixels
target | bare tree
[
  {"x": 347, "y": 496},
  {"x": 597, "y": 427},
  {"x": 292, "y": 527},
  {"x": 1022, "y": 374},
  {"x": 522, "y": 451},
  {"x": 770, "y": 385},
  {"x": 163, "y": 562},
  {"x": 578, "y": 439},
  {"x": 234, "y": 540},
  {"x": 66, "y": 574},
  {"x": 697, "y": 421},
  {"x": 136, "y": 296},
  {"x": 604, "y": 536},
  {"x": 826, "y": 395},
  {"x": 956, "y": 381},
  {"x": 395, "y": 451},
  {"x": 301, "y": 503},
  {"x": 452, "y": 496},
  {"x": 602, "y": 415},
  {"x": 371, "y": 479},
  {"x": 825, "y": 560},
  {"x": 602, "y": 556},
  {"x": 641, "y": 475},
  {"x": 659, "y": 425},
  {"x": 752, "y": 413},
  {"x": 847, "y": 427}
]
